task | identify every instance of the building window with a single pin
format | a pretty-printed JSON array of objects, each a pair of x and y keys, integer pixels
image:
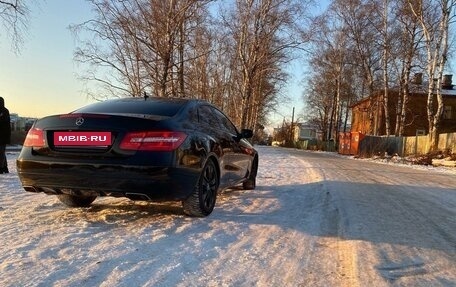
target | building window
[
  {"x": 306, "y": 133},
  {"x": 447, "y": 113}
]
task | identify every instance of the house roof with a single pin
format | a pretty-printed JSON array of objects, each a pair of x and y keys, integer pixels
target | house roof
[
  {"x": 307, "y": 126},
  {"x": 413, "y": 89},
  {"x": 422, "y": 89}
]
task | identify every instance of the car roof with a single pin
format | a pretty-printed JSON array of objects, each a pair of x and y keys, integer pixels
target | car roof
[{"x": 160, "y": 106}]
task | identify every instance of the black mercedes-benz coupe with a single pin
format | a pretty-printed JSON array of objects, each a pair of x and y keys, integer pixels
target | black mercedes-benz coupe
[{"x": 150, "y": 148}]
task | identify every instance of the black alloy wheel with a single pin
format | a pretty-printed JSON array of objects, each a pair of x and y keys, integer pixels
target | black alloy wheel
[
  {"x": 202, "y": 201},
  {"x": 250, "y": 182}
]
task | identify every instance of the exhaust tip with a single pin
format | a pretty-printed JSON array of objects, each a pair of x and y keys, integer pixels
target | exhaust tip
[
  {"x": 137, "y": 196},
  {"x": 30, "y": 189}
]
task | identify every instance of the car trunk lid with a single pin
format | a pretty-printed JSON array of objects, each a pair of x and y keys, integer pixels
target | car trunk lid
[{"x": 88, "y": 134}]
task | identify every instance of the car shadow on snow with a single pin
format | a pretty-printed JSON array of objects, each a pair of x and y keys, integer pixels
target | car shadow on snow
[{"x": 376, "y": 213}]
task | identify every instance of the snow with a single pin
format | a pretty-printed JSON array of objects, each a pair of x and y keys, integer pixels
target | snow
[
  {"x": 400, "y": 161},
  {"x": 315, "y": 219}
]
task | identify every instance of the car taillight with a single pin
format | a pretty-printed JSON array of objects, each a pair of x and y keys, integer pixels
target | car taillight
[
  {"x": 35, "y": 138},
  {"x": 153, "y": 141}
]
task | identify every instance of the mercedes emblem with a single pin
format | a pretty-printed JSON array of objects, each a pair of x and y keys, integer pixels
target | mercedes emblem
[{"x": 79, "y": 121}]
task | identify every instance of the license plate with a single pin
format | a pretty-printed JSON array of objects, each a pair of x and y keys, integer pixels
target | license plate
[{"x": 82, "y": 138}]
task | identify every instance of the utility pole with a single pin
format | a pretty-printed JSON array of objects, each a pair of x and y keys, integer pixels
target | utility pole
[{"x": 292, "y": 126}]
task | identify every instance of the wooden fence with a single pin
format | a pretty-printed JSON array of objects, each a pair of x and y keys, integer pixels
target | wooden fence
[{"x": 404, "y": 146}]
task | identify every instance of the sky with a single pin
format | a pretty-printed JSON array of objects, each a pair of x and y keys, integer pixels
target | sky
[{"x": 42, "y": 79}]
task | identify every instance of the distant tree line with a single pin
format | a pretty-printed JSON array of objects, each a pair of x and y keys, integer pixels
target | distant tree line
[
  {"x": 362, "y": 46},
  {"x": 231, "y": 53}
]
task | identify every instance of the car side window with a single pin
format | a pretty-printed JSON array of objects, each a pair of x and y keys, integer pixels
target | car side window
[
  {"x": 225, "y": 122},
  {"x": 206, "y": 116},
  {"x": 193, "y": 115}
]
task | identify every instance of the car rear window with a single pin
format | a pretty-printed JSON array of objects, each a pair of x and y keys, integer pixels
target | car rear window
[{"x": 153, "y": 107}]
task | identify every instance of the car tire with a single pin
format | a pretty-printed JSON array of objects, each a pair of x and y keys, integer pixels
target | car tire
[
  {"x": 250, "y": 183},
  {"x": 76, "y": 201},
  {"x": 202, "y": 201}
]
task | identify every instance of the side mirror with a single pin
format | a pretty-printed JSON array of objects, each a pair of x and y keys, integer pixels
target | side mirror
[{"x": 246, "y": 134}]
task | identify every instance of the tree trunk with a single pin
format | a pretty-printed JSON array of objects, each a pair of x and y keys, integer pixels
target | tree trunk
[{"x": 385, "y": 68}]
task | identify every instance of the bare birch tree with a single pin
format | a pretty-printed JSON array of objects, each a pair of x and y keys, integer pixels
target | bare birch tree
[
  {"x": 385, "y": 63},
  {"x": 361, "y": 23},
  {"x": 175, "y": 48},
  {"x": 14, "y": 18},
  {"x": 142, "y": 43},
  {"x": 347, "y": 53},
  {"x": 329, "y": 61},
  {"x": 261, "y": 30},
  {"x": 434, "y": 18},
  {"x": 409, "y": 40}
]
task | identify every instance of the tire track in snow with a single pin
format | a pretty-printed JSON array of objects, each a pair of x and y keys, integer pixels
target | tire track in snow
[
  {"x": 265, "y": 238},
  {"x": 395, "y": 221},
  {"x": 332, "y": 229}
]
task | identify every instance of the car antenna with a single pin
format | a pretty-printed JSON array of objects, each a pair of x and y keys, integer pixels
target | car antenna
[{"x": 145, "y": 96}]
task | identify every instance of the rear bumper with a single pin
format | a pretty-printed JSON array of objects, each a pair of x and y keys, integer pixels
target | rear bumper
[{"x": 135, "y": 182}]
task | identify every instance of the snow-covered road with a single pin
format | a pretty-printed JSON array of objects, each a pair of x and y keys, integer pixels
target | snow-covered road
[{"x": 315, "y": 219}]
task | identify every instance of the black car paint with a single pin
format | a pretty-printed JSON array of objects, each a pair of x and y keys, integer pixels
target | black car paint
[{"x": 170, "y": 175}]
